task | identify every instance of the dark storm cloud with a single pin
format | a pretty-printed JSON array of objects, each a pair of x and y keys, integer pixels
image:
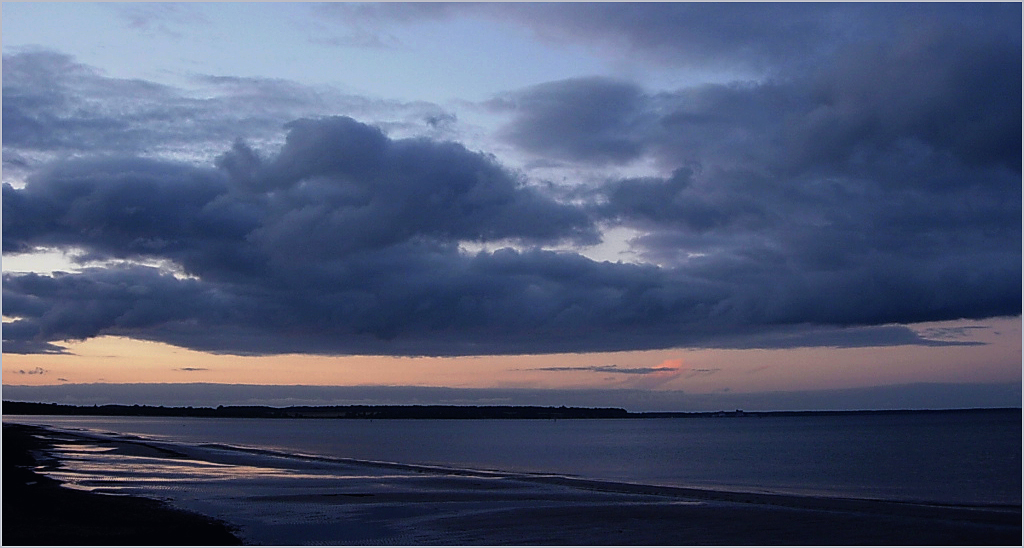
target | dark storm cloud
[
  {"x": 341, "y": 242},
  {"x": 344, "y": 242},
  {"x": 820, "y": 204},
  {"x": 14, "y": 345},
  {"x": 118, "y": 206},
  {"x": 880, "y": 184},
  {"x": 81, "y": 306},
  {"x": 355, "y": 188}
]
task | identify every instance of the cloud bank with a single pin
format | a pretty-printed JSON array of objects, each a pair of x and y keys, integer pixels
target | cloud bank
[{"x": 854, "y": 184}]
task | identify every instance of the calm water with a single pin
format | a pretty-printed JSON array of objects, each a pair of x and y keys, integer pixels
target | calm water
[{"x": 943, "y": 457}]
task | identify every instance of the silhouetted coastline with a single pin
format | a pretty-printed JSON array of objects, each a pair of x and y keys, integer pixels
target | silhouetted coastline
[
  {"x": 423, "y": 412},
  {"x": 326, "y": 412}
]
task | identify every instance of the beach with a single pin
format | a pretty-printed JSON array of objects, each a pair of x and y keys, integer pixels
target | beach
[
  {"x": 270, "y": 498},
  {"x": 38, "y": 511}
]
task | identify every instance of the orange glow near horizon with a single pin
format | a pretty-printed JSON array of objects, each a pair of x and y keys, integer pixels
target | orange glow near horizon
[{"x": 120, "y": 360}]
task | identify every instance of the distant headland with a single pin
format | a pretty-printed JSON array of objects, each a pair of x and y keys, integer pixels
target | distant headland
[{"x": 412, "y": 412}]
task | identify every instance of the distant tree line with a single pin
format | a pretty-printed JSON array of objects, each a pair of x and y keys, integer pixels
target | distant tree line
[
  {"x": 325, "y": 412},
  {"x": 419, "y": 412}
]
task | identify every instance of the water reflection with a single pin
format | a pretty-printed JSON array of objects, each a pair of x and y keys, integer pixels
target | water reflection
[{"x": 90, "y": 467}]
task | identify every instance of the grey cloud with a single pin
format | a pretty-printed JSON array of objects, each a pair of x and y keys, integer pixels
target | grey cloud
[
  {"x": 55, "y": 106},
  {"x": 440, "y": 119},
  {"x": 379, "y": 13},
  {"x": 902, "y": 254},
  {"x": 745, "y": 36},
  {"x": 739, "y": 36},
  {"x": 901, "y": 83},
  {"x": 761, "y": 39},
  {"x": 20, "y": 337},
  {"x": 588, "y": 119},
  {"x": 161, "y": 18},
  {"x": 14, "y": 346},
  {"x": 757, "y": 39},
  {"x": 365, "y": 25},
  {"x": 818, "y": 336},
  {"x": 835, "y": 250},
  {"x": 684, "y": 202},
  {"x": 608, "y": 369},
  {"x": 941, "y": 97},
  {"x": 954, "y": 333},
  {"x": 349, "y": 179},
  {"x": 345, "y": 241},
  {"x": 345, "y": 236},
  {"x": 691, "y": 373},
  {"x": 817, "y": 205},
  {"x": 116, "y": 206},
  {"x": 881, "y": 186},
  {"x": 81, "y": 306}
]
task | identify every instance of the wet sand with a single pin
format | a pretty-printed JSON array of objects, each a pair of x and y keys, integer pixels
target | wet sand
[
  {"x": 278, "y": 499},
  {"x": 37, "y": 511}
]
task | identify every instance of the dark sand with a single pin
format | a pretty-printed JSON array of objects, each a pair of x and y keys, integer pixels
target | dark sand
[
  {"x": 414, "y": 505},
  {"x": 38, "y": 511}
]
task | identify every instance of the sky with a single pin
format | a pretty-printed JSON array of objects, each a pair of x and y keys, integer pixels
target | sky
[{"x": 655, "y": 206}]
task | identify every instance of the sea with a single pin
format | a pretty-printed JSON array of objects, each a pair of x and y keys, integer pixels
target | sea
[{"x": 955, "y": 458}]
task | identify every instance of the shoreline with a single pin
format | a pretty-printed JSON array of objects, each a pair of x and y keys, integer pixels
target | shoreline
[
  {"x": 40, "y": 511},
  {"x": 990, "y": 512},
  {"x": 392, "y": 503}
]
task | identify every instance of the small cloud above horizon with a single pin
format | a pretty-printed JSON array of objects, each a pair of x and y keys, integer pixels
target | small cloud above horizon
[
  {"x": 693, "y": 372},
  {"x": 642, "y": 377},
  {"x": 605, "y": 369}
]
